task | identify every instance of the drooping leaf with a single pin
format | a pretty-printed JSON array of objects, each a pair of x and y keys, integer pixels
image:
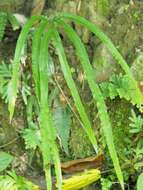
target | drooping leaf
[
  {"x": 71, "y": 84},
  {"x": 48, "y": 132},
  {"x": 5, "y": 160},
  {"x": 138, "y": 97},
  {"x": 35, "y": 55},
  {"x": 99, "y": 99},
  {"x": 14, "y": 84}
]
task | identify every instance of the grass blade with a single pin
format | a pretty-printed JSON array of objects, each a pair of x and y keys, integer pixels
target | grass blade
[
  {"x": 97, "y": 95},
  {"x": 68, "y": 77}
]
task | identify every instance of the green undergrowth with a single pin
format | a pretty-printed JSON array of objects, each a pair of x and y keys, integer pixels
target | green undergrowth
[{"x": 45, "y": 32}]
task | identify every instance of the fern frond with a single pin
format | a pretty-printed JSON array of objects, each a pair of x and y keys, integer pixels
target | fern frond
[
  {"x": 138, "y": 98},
  {"x": 136, "y": 123},
  {"x": 14, "y": 83},
  {"x": 118, "y": 85},
  {"x": 32, "y": 137},
  {"x": 48, "y": 132},
  {"x": 97, "y": 95},
  {"x": 71, "y": 84},
  {"x": 35, "y": 55}
]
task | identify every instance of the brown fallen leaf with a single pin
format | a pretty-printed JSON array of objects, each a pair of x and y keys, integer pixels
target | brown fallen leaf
[{"x": 82, "y": 164}]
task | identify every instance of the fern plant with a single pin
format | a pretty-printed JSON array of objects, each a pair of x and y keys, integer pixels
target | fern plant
[
  {"x": 136, "y": 123},
  {"x": 4, "y": 19},
  {"x": 46, "y": 32},
  {"x": 12, "y": 181},
  {"x": 118, "y": 85}
]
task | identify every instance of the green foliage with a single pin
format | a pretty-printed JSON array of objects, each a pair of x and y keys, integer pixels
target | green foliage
[
  {"x": 79, "y": 144},
  {"x": 97, "y": 95},
  {"x": 5, "y": 77},
  {"x": 32, "y": 136},
  {"x": 106, "y": 184},
  {"x": 5, "y": 160},
  {"x": 137, "y": 128},
  {"x": 119, "y": 85},
  {"x": 136, "y": 123},
  {"x": 40, "y": 61},
  {"x": 71, "y": 84},
  {"x": 12, "y": 181},
  {"x": 140, "y": 182},
  {"x": 138, "y": 98},
  {"x": 3, "y": 22},
  {"x": 4, "y": 19}
]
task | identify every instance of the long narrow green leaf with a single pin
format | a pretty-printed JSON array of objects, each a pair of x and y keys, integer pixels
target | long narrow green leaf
[
  {"x": 138, "y": 98},
  {"x": 38, "y": 58},
  {"x": 48, "y": 131},
  {"x": 35, "y": 55},
  {"x": 107, "y": 129},
  {"x": 68, "y": 77},
  {"x": 13, "y": 86}
]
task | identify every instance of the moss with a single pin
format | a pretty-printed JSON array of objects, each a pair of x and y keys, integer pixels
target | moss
[
  {"x": 80, "y": 146},
  {"x": 119, "y": 112}
]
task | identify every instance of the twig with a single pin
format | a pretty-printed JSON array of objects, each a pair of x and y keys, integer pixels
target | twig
[
  {"x": 66, "y": 99},
  {"x": 10, "y": 142}
]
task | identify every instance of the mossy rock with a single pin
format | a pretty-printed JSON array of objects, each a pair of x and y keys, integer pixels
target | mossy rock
[
  {"x": 80, "y": 146},
  {"x": 120, "y": 111}
]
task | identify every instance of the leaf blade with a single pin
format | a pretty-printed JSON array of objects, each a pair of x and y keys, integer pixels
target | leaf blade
[
  {"x": 97, "y": 95},
  {"x": 13, "y": 85},
  {"x": 5, "y": 160},
  {"x": 71, "y": 84}
]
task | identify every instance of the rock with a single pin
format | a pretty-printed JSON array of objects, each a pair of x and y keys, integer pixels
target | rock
[
  {"x": 103, "y": 63},
  {"x": 137, "y": 67}
]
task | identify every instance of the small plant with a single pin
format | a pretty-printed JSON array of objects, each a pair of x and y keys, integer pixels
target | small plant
[
  {"x": 136, "y": 123},
  {"x": 12, "y": 181},
  {"x": 119, "y": 85},
  {"x": 46, "y": 32},
  {"x": 4, "y": 19},
  {"x": 137, "y": 129}
]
